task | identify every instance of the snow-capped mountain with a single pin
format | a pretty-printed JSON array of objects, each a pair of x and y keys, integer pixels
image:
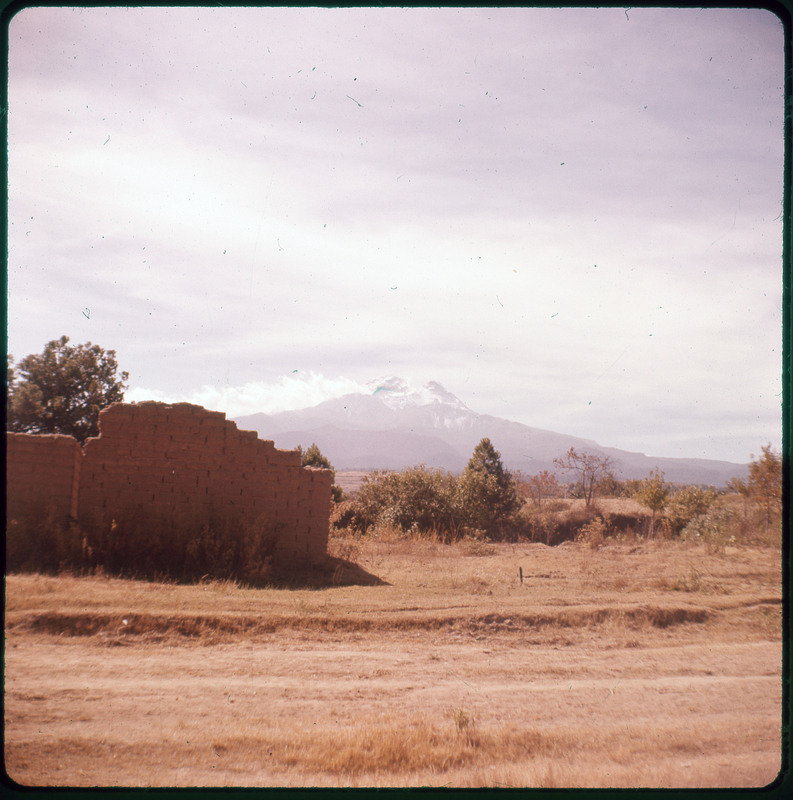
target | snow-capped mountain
[
  {"x": 398, "y": 394},
  {"x": 431, "y": 405},
  {"x": 397, "y": 425}
]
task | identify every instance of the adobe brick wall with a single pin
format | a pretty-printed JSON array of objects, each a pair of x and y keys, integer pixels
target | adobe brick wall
[
  {"x": 42, "y": 475},
  {"x": 161, "y": 462}
]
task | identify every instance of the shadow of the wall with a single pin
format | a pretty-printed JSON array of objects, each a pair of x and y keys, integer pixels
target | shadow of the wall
[{"x": 331, "y": 571}]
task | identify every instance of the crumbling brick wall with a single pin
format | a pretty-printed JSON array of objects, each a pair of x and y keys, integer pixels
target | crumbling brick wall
[
  {"x": 42, "y": 475},
  {"x": 162, "y": 462}
]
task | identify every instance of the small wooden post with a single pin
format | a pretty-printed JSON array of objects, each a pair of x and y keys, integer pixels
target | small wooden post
[{"x": 520, "y": 572}]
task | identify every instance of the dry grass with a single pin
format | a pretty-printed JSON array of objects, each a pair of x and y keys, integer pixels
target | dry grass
[
  {"x": 652, "y": 665},
  {"x": 610, "y": 505}
]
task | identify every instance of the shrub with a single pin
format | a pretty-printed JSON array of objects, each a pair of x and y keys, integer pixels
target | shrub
[
  {"x": 418, "y": 500},
  {"x": 688, "y": 503},
  {"x": 570, "y": 523},
  {"x": 716, "y": 528},
  {"x": 421, "y": 501},
  {"x": 41, "y": 540},
  {"x": 538, "y": 526}
]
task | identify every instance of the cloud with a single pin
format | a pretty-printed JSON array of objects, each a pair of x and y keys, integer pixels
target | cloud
[
  {"x": 288, "y": 392},
  {"x": 551, "y": 207}
]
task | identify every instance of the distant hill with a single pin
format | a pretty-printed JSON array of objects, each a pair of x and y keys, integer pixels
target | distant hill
[{"x": 395, "y": 427}]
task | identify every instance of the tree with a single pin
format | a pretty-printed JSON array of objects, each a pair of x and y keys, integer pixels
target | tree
[
  {"x": 542, "y": 486},
  {"x": 487, "y": 494},
  {"x": 63, "y": 389},
  {"x": 653, "y": 493},
  {"x": 765, "y": 483},
  {"x": 313, "y": 458},
  {"x": 590, "y": 467},
  {"x": 741, "y": 487}
]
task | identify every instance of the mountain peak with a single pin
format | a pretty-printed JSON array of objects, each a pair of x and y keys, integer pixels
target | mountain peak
[
  {"x": 387, "y": 385},
  {"x": 398, "y": 393}
]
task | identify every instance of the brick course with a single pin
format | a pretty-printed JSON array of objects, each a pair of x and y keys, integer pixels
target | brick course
[{"x": 161, "y": 461}]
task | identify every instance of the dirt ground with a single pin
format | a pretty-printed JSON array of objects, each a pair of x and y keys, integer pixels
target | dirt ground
[{"x": 649, "y": 666}]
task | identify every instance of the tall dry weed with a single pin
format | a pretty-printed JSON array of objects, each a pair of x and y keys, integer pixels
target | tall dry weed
[
  {"x": 593, "y": 533},
  {"x": 465, "y": 724}
]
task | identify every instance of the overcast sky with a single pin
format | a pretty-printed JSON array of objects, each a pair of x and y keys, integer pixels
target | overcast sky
[{"x": 568, "y": 217}]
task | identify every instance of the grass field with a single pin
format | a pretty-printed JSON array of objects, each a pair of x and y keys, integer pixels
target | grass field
[{"x": 649, "y": 664}]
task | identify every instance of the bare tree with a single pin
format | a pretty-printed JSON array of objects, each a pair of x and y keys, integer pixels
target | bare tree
[
  {"x": 591, "y": 468},
  {"x": 542, "y": 486}
]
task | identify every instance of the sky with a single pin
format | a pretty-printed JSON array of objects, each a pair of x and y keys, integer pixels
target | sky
[{"x": 569, "y": 218}]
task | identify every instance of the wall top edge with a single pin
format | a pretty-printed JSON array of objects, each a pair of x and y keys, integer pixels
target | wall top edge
[
  {"x": 188, "y": 410},
  {"x": 156, "y": 404},
  {"x": 27, "y": 436}
]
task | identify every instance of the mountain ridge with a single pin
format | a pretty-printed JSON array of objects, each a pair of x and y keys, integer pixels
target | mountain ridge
[{"x": 398, "y": 426}]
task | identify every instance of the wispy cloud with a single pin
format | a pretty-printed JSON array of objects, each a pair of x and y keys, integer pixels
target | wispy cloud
[{"x": 287, "y": 393}]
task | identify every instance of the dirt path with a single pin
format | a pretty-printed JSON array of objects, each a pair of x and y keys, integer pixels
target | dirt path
[{"x": 79, "y": 713}]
